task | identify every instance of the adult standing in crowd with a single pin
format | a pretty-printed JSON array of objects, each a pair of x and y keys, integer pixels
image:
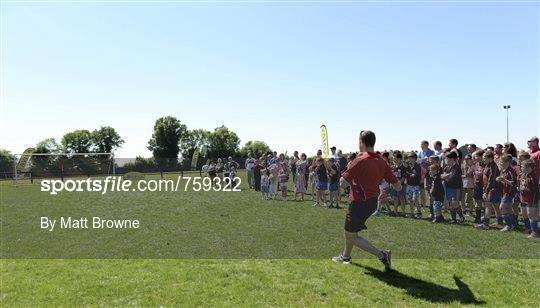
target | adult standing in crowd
[
  {"x": 333, "y": 153},
  {"x": 257, "y": 169},
  {"x": 300, "y": 184},
  {"x": 250, "y": 163},
  {"x": 292, "y": 165},
  {"x": 439, "y": 151},
  {"x": 535, "y": 156},
  {"x": 423, "y": 157},
  {"x": 471, "y": 148}
]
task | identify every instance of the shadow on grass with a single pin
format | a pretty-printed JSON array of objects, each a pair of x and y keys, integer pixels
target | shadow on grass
[{"x": 423, "y": 289}]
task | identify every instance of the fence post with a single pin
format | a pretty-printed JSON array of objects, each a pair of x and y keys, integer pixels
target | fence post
[{"x": 31, "y": 177}]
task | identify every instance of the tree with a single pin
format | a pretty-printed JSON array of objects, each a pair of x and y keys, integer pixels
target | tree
[
  {"x": 78, "y": 141},
  {"x": 256, "y": 148},
  {"x": 164, "y": 144},
  {"x": 48, "y": 145},
  {"x": 106, "y": 139},
  {"x": 194, "y": 139},
  {"x": 6, "y": 161},
  {"x": 223, "y": 143}
]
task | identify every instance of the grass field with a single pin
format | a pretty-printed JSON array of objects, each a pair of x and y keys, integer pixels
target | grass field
[{"x": 216, "y": 248}]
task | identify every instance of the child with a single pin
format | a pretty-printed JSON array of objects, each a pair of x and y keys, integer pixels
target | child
[
  {"x": 274, "y": 170},
  {"x": 428, "y": 182},
  {"x": 436, "y": 192},
  {"x": 283, "y": 174},
  {"x": 508, "y": 179},
  {"x": 265, "y": 185},
  {"x": 334, "y": 174},
  {"x": 492, "y": 189},
  {"x": 518, "y": 208},
  {"x": 413, "y": 175},
  {"x": 322, "y": 181},
  {"x": 382, "y": 201},
  {"x": 478, "y": 190},
  {"x": 399, "y": 172},
  {"x": 467, "y": 170},
  {"x": 453, "y": 185},
  {"x": 232, "y": 176},
  {"x": 312, "y": 182},
  {"x": 528, "y": 187},
  {"x": 272, "y": 188}
]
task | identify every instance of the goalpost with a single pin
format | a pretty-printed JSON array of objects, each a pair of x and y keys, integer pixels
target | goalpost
[{"x": 42, "y": 165}]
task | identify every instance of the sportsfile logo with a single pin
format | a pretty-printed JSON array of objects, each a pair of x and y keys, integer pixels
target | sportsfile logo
[{"x": 119, "y": 184}]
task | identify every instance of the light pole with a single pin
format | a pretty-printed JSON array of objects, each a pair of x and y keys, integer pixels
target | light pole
[{"x": 507, "y": 107}]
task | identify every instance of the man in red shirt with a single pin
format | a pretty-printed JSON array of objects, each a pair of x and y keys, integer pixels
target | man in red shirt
[
  {"x": 364, "y": 174},
  {"x": 535, "y": 156}
]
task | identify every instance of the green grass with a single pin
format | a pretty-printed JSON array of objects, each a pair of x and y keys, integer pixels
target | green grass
[
  {"x": 218, "y": 248},
  {"x": 268, "y": 282}
]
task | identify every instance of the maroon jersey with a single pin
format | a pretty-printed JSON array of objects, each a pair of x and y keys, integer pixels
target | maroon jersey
[
  {"x": 479, "y": 175},
  {"x": 509, "y": 189},
  {"x": 528, "y": 188},
  {"x": 437, "y": 189},
  {"x": 491, "y": 186}
]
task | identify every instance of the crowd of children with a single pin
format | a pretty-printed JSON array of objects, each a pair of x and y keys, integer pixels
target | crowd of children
[{"x": 494, "y": 182}]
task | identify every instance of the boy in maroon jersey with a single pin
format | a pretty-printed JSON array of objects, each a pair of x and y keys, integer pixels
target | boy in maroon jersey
[
  {"x": 478, "y": 186},
  {"x": 528, "y": 188},
  {"x": 436, "y": 192},
  {"x": 453, "y": 185},
  {"x": 492, "y": 189},
  {"x": 508, "y": 179}
]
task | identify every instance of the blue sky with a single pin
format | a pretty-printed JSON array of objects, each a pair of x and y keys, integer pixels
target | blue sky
[{"x": 273, "y": 72}]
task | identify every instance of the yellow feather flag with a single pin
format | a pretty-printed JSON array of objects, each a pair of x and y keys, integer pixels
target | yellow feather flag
[{"x": 324, "y": 141}]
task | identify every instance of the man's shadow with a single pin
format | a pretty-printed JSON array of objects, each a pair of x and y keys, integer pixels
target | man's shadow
[{"x": 424, "y": 289}]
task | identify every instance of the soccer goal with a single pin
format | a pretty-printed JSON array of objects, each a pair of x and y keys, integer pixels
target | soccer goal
[{"x": 28, "y": 167}]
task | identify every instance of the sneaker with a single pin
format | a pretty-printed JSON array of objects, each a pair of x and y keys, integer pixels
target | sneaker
[
  {"x": 461, "y": 220},
  {"x": 315, "y": 204},
  {"x": 506, "y": 229},
  {"x": 452, "y": 222},
  {"x": 482, "y": 226},
  {"x": 342, "y": 259},
  {"x": 376, "y": 213},
  {"x": 386, "y": 259},
  {"x": 532, "y": 235},
  {"x": 495, "y": 225}
]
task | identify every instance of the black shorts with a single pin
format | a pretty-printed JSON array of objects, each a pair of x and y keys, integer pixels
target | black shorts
[
  {"x": 478, "y": 193},
  {"x": 357, "y": 214}
]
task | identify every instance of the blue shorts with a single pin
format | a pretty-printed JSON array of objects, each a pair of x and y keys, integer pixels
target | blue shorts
[
  {"x": 334, "y": 186},
  {"x": 413, "y": 192},
  {"x": 453, "y": 194},
  {"x": 495, "y": 199},
  {"x": 507, "y": 199},
  {"x": 398, "y": 193},
  {"x": 322, "y": 185}
]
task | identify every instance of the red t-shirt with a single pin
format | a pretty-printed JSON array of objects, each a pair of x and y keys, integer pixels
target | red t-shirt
[{"x": 365, "y": 173}]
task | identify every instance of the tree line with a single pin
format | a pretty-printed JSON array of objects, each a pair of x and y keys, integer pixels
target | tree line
[{"x": 170, "y": 140}]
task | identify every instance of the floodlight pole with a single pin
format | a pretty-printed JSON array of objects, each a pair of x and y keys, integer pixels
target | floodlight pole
[{"x": 507, "y": 107}]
